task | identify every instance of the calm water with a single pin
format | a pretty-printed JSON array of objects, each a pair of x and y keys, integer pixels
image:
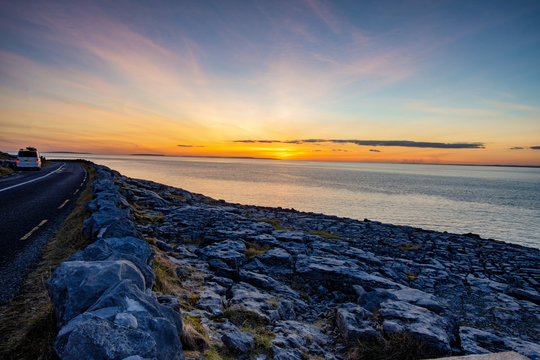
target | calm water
[{"x": 502, "y": 203}]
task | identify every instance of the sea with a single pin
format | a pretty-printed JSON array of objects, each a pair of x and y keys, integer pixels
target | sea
[{"x": 495, "y": 202}]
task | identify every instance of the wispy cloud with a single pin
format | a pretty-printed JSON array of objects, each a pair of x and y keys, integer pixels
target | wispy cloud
[
  {"x": 374, "y": 150},
  {"x": 535, "y": 147},
  {"x": 190, "y": 146},
  {"x": 397, "y": 143},
  {"x": 517, "y": 148}
]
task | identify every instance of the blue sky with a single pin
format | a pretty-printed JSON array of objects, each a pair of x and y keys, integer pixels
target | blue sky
[{"x": 127, "y": 76}]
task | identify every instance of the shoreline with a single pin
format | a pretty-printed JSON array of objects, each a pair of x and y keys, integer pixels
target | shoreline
[{"x": 322, "y": 284}]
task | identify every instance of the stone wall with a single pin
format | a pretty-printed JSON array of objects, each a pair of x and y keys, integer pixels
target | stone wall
[{"x": 102, "y": 295}]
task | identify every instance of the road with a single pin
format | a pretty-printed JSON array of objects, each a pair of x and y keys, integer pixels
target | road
[{"x": 31, "y": 202}]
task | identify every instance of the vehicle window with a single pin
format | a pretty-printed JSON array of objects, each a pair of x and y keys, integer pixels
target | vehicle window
[{"x": 27, "y": 154}]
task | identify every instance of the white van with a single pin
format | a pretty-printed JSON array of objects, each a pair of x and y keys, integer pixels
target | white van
[{"x": 28, "y": 159}]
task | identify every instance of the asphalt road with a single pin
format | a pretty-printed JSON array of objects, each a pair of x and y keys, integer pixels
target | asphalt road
[{"x": 31, "y": 202}]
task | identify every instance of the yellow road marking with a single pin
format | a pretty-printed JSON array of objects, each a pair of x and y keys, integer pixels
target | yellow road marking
[
  {"x": 33, "y": 230},
  {"x": 63, "y": 204}
]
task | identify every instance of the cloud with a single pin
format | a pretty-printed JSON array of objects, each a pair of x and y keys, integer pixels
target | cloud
[
  {"x": 535, "y": 147},
  {"x": 517, "y": 148},
  {"x": 398, "y": 143},
  {"x": 189, "y": 146},
  {"x": 374, "y": 150}
]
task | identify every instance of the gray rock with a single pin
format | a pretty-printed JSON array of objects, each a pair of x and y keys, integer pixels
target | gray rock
[
  {"x": 93, "y": 337},
  {"x": 424, "y": 325},
  {"x": 418, "y": 298},
  {"x": 276, "y": 261},
  {"x": 106, "y": 223},
  {"x": 267, "y": 283},
  {"x": 210, "y": 301},
  {"x": 338, "y": 273},
  {"x": 353, "y": 323},
  {"x": 170, "y": 301},
  {"x": 127, "y": 320},
  {"x": 231, "y": 252},
  {"x": 159, "y": 321},
  {"x": 522, "y": 294},
  {"x": 251, "y": 298},
  {"x": 162, "y": 245},
  {"x": 221, "y": 269},
  {"x": 286, "y": 354},
  {"x": 372, "y": 300},
  {"x": 75, "y": 285},
  {"x": 238, "y": 342},
  {"x": 285, "y": 311},
  {"x": 127, "y": 248}
]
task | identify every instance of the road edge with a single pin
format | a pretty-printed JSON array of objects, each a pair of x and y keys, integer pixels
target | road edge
[{"x": 27, "y": 322}]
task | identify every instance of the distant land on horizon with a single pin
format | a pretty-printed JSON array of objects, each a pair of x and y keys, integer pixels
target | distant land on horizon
[{"x": 267, "y": 158}]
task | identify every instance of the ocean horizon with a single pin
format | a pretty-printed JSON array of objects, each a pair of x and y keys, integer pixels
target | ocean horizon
[{"x": 496, "y": 202}]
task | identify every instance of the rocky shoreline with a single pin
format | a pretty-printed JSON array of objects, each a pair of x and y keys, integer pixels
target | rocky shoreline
[{"x": 271, "y": 283}]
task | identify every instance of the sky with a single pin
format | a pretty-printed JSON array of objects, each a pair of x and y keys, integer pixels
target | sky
[{"x": 377, "y": 81}]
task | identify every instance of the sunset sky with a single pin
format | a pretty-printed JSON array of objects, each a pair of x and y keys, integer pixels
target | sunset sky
[{"x": 392, "y": 81}]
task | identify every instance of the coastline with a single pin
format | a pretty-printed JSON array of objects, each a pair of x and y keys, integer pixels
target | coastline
[{"x": 320, "y": 284}]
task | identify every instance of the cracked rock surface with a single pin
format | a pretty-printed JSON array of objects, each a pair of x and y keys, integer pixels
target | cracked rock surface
[{"x": 319, "y": 285}]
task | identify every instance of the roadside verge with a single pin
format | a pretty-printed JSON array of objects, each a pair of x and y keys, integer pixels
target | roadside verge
[{"x": 28, "y": 324}]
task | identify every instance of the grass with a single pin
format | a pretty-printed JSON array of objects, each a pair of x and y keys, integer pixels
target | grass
[
  {"x": 411, "y": 276},
  {"x": 143, "y": 219},
  {"x": 194, "y": 336},
  {"x": 326, "y": 234},
  {"x": 402, "y": 247},
  {"x": 262, "y": 340},
  {"x": 28, "y": 323},
  {"x": 177, "y": 197},
  {"x": 276, "y": 224},
  {"x": 397, "y": 346},
  {"x": 166, "y": 280},
  {"x": 250, "y": 321},
  {"x": 5, "y": 171},
  {"x": 216, "y": 353},
  {"x": 254, "y": 249},
  {"x": 245, "y": 318}
]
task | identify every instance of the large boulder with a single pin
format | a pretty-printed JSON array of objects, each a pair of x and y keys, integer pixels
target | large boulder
[
  {"x": 353, "y": 322},
  {"x": 92, "y": 337},
  {"x": 231, "y": 252},
  {"x": 247, "y": 296},
  {"x": 425, "y": 326},
  {"x": 127, "y": 305},
  {"x": 109, "y": 222},
  {"x": 238, "y": 342},
  {"x": 418, "y": 298},
  {"x": 276, "y": 261},
  {"x": 125, "y": 248},
  {"x": 76, "y": 285},
  {"x": 338, "y": 273}
]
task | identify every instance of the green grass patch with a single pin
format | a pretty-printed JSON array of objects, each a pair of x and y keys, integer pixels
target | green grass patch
[
  {"x": 215, "y": 353},
  {"x": 254, "y": 249},
  {"x": 164, "y": 269},
  {"x": 177, "y": 197},
  {"x": 262, "y": 340},
  {"x": 245, "y": 318},
  {"x": 276, "y": 224},
  {"x": 326, "y": 234},
  {"x": 143, "y": 219},
  {"x": 194, "y": 335},
  {"x": 411, "y": 276},
  {"x": 28, "y": 323},
  {"x": 4, "y": 171}
]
